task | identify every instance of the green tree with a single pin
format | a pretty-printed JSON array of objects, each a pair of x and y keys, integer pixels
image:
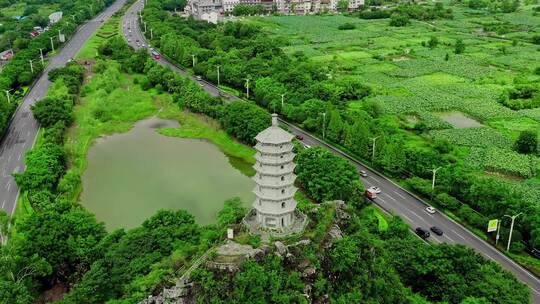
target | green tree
[
  {"x": 399, "y": 20},
  {"x": 392, "y": 158},
  {"x": 357, "y": 139},
  {"x": 335, "y": 128},
  {"x": 433, "y": 42},
  {"x": 5, "y": 225},
  {"x": 325, "y": 176},
  {"x": 232, "y": 212},
  {"x": 527, "y": 142},
  {"x": 49, "y": 111},
  {"x": 459, "y": 47},
  {"x": 244, "y": 121},
  {"x": 44, "y": 166},
  {"x": 343, "y": 6},
  {"x": 65, "y": 240}
]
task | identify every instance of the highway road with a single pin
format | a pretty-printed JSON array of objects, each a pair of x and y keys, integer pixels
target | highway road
[
  {"x": 21, "y": 133},
  {"x": 393, "y": 198}
]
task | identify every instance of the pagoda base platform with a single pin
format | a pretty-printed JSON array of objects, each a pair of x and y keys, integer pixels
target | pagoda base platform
[{"x": 250, "y": 220}]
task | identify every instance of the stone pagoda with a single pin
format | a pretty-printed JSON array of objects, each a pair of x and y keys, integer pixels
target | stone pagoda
[{"x": 274, "y": 209}]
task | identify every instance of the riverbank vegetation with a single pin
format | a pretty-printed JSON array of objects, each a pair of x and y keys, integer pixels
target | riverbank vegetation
[{"x": 395, "y": 85}]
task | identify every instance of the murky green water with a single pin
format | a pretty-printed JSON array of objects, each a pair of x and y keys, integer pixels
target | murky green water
[{"x": 132, "y": 175}]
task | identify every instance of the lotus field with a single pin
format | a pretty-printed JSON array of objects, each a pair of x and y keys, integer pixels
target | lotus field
[{"x": 413, "y": 82}]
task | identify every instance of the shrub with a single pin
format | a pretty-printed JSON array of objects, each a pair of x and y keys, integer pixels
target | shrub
[
  {"x": 448, "y": 202},
  {"x": 420, "y": 185},
  {"x": 347, "y": 26},
  {"x": 399, "y": 20}
]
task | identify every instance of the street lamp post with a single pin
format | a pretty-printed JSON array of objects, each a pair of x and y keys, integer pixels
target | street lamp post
[
  {"x": 247, "y": 87},
  {"x": 59, "y": 34},
  {"x": 7, "y": 94},
  {"x": 41, "y": 56},
  {"x": 192, "y": 60},
  {"x": 52, "y": 44},
  {"x": 498, "y": 235},
  {"x": 433, "y": 180},
  {"x": 373, "y": 149},
  {"x": 218, "y": 75},
  {"x": 324, "y": 125},
  {"x": 511, "y": 229},
  {"x": 144, "y": 27},
  {"x": 31, "y": 66},
  {"x": 282, "y": 102},
  {"x": 151, "y": 34}
]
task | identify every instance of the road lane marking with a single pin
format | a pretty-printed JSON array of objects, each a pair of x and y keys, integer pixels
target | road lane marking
[
  {"x": 392, "y": 198},
  {"x": 397, "y": 193},
  {"x": 450, "y": 238},
  {"x": 8, "y": 186},
  {"x": 458, "y": 234},
  {"x": 3, "y": 204}
]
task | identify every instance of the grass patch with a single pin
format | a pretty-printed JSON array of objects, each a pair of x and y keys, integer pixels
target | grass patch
[
  {"x": 202, "y": 127},
  {"x": 383, "y": 224},
  {"x": 109, "y": 29}
]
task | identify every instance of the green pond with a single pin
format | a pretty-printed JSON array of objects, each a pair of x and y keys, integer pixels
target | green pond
[{"x": 132, "y": 175}]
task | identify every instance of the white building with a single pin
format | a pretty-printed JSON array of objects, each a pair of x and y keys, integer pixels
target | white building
[
  {"x": 275, "y": 204},
  {"x": 228, "y": 5}
]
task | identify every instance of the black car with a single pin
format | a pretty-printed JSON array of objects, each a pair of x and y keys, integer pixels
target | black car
[
  {"x": 535, "y": 253},
  {"x": 436, "y": 230},
  {"x": 422, "y": 233}
]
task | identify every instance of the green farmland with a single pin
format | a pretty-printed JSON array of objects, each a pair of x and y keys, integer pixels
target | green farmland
[{"x": 417, "y": 84}]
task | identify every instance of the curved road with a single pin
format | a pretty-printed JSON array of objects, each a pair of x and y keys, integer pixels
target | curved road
[
  {"x": 21, "y": 133},
  {"x": 393, "y": 198}
]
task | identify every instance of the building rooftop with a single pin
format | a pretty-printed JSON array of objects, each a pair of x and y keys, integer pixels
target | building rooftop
[{"x": 274, "y": 134}]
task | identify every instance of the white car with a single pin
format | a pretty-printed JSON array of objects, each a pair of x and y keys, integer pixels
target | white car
[
  {"x": 375, "y": 189},
  {"x": 363, "y": 173},
  {"x": 430, "y": 210},
  {"x": 306, "y": 146}
]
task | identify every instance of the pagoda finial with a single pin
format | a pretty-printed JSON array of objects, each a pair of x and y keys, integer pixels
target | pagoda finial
[{"x": 274, "y": 120}]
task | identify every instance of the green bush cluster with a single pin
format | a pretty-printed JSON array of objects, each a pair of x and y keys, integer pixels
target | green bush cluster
[{"x": 325, "y": 176}]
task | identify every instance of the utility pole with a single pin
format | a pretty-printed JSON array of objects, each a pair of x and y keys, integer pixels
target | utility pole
[
  {"x": 193, "y": 60},
  {"x": 144, "y": 27},
  {"x": 498, "y": 235},
  {"x": 218, "y": 75},
  {"x": 433, "y": 180},
  {"x": 31, "y": 66},
  {"x": 282, "y": 102},
  {"x": 373, "y": 149},
  {"x": 59, "y": 35},
  {"x": 151, "y": 34},
  {"x": 247, "y": 87},
  {"x": 7, "y": 94},
  {"x": 324, "y": 125},
  {"x": 52, "y": 44},
  {"x": 511, "y": 229},
  {"x": 41, "y": 56}
]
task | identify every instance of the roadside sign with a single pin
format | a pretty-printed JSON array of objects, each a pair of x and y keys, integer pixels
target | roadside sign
[{"x": 492, "y": 225}]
